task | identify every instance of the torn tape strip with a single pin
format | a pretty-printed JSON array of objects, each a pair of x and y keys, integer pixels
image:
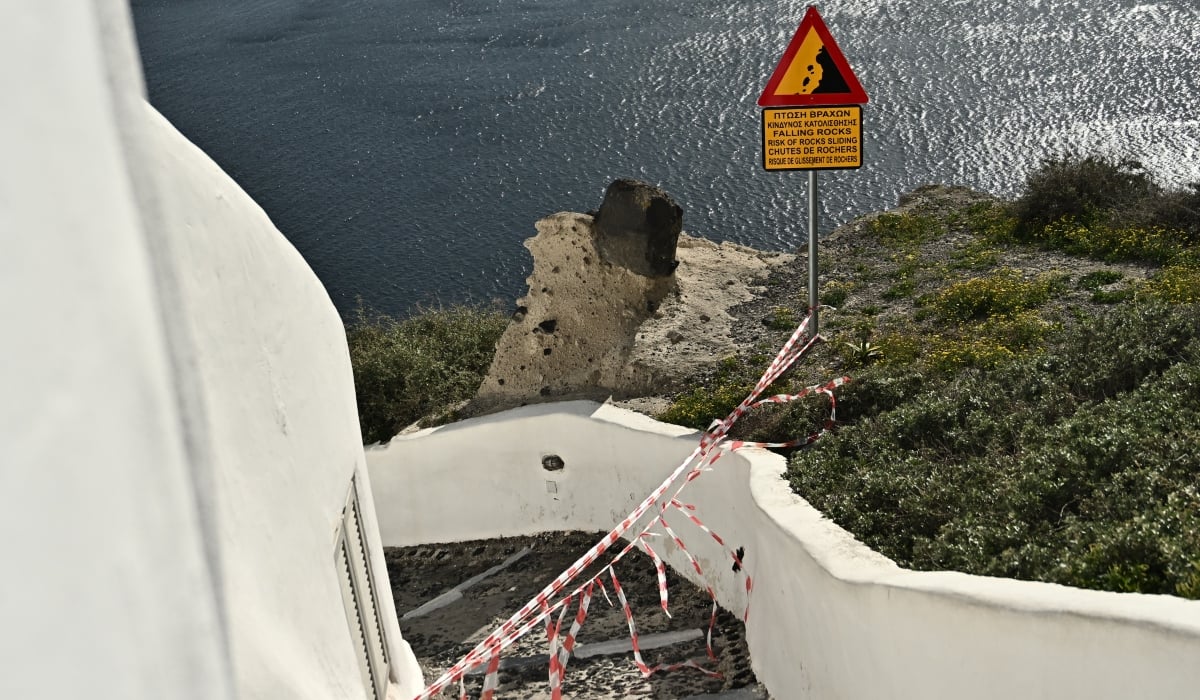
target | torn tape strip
[
  {"x": 645, "y": 669},
  {"x": 492, "y": 680},
  {"x": 660, "y": 570},
  {"x": 556, "y": 668}
]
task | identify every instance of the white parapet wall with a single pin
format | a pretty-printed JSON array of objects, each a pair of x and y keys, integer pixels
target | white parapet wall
[{"x": 828, "y": 617}]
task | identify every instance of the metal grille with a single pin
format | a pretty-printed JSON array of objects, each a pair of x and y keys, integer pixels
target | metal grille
[{"x": 358, "y": 596}]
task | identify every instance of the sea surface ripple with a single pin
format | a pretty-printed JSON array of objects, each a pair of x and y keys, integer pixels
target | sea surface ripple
[{"x": 406, "y": 148}]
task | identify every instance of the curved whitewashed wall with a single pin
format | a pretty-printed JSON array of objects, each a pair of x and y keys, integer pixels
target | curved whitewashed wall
[
  {"x": 829, "y": 618},
  {"x": 274, "y": 373},
  {"x": 178, "y": 430},
  {"x": 107, "y": 585}
]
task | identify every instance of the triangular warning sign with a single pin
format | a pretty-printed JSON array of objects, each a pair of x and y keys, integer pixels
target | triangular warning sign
[{"x": 813, "y": 71}]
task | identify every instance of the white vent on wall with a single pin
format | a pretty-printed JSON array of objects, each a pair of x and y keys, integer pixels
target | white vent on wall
[{"x": 359, "y": 599}]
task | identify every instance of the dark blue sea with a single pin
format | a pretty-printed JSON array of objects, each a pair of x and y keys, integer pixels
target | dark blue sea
[{"x": 406, "y": 147}]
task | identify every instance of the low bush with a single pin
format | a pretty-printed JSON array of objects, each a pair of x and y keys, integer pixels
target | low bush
[
  {"x": 954, "y": 353},
  {"x": 1076, "y": 464},
  {"x": 903, "y": 229},
  {"x": 716, "y": 399},
  {"x": 986, "y": 344},
  {"x": 1003, "y": 292},
  {"x": 1112, "y": 296},
  {"x": 980, "y": 254},
  {"x": 782, "y": 318},
  {"x": 1113, "y": 243},
  {"x": 901, "y": 348},
  {"x": 404, "y": 370},
  {"x": 1174, "y": 210},
  {"x": 1084, "y": 190},
  {"x": 1099, "y": 278},
  {"x": 836, "y": 292},
  {"x": 1175, "y": 284},
  {"x": 992, "y": 222},
  {"x": 1102, "y": 209}
]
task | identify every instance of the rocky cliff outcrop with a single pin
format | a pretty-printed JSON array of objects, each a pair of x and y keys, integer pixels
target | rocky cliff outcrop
[{"x": 620, "y": 304}]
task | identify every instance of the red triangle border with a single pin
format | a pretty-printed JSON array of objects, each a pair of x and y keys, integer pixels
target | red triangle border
[{"x": 812, "y": 22}]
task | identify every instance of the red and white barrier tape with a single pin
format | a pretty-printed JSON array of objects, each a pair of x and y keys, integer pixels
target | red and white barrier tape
[
  {"x": 568, "y": 645},
  {"x": 660, "y": 571},
  {"x": 701, "y": 459},
  {"x": 689, "y": 510},
  {"x": 645, "y": 669},
  {"x": 492, "y": 680},
  {"x": 556, "y": 664}
]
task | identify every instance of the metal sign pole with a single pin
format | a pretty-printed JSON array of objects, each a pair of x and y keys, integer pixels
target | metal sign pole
[
  {"x": 812, "y": 126},
  {"x": 813, "y": 301}
]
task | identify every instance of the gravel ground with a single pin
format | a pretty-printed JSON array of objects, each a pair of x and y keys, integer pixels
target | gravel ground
[{"x": 441, "y": 637}]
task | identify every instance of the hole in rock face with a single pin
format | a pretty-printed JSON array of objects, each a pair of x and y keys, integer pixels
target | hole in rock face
[
  {"x": 546, "y": 351},
  {"x": 553, "y": 463},
  {"x": 548, "y": 326}
]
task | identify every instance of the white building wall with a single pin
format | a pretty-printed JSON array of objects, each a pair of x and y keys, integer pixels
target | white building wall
[
  {"x": 106, "y": 590},
  {"x": 275, "y": 375},
  {"x": 829, "y": 618},
  {"x": 178, "y": 429}
]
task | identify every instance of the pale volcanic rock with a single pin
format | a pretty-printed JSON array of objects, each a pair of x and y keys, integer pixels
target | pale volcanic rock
[
  {"x": 627, "y": 307},
  {"x": 574, "y": 331},
  {"x": 693, "y": 328}
]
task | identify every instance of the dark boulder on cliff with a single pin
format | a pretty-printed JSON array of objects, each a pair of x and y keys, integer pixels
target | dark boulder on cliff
[
  {"x": 638, "y": 227},
  {"x": 610, "y": 311}
]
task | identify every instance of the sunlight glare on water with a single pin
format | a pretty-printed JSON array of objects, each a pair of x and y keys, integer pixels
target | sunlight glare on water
[{"x": 407, "y": 148}]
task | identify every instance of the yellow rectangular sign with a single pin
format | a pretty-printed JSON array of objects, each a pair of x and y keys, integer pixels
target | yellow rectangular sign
[{"x": 812, "y": 138}]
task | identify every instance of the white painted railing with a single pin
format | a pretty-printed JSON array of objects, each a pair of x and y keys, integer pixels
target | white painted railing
[{"x": 829, "y": 618}]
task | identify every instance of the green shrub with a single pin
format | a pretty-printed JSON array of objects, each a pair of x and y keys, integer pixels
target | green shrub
[
  {"x": 900, "y": 348},
  {"x": 1176, "y": 210},
  {"x": 1084, "y": 190},
  {"x": 1095, "y": 280},
  {"x": 782, "y": 319},
  {"x": 993, "y": 222},
  {"x": 1099, "y": 278},
  {"x": 1018, "y": 332},
  {"x": 1174, "y": 284},
  {"x": 900, "y": 290},
  {"x": 836, "y": 293},
  {"x": 878, "y": 389},
  {"x": 403, "y": 370},
  {"x": 1119, "y": 349},
  {"x": 952, "y": 354},
  {"x": 1004, "y": 292},
  {"x": 980, "y": 254},
  {"x": 1075, "y": 465},
  {"x": 1113, "y": 296},
  {"x": 702, "y": 405},
  {"x": 698, "y": 408},
  {"x": 986, "y": 344},
  {"x": 732, "y": 382},
  {"x": 903, "y": 229},
  {"x": 1113, "y": 243}
]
